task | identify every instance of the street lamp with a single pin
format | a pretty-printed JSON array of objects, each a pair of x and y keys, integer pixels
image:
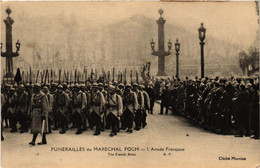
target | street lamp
[
  {"x": 202, "y": 35},
  {"x": 152, "y": 45},
  {"x": 18, "y": 44},
  {"x": 177, "y": 49}
]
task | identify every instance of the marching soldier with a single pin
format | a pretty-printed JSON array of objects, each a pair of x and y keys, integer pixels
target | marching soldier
[
  {"x": 151, "y": 94},
  {"x": 22, "y": 108},
  {"x": 165, "y": 99},
  {"x": 78, "y": 104},
  {"x": 130, "y": 106},
  {"x": 45, "y": 90},
  {"x": 11, "y": 110},
  {"x": 105, "y": 94},
  {"x": 61, "y": 104},
  {"x": 146, "y": 105},
  {"x": 114, "y": 109},
  {"x": 139, "y": 112},
  {"x": 97, "y": 103},
  {"x": 2, "y": 105},
  {"x": 39, "y": 115}
]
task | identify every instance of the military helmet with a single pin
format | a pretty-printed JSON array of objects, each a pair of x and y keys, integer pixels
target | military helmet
[
  {"x": 37, "y": 85},
  {"x": 111, "y": 87},
  {"x": 94, "y": 85}
]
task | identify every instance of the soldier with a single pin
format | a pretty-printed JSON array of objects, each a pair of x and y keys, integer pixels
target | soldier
[
  {"x": 11, "y": 110},
  {"x": 130, "y": 106},
  {"x": 114, "y": 106},
  {"x": 105, "y": 94},
  {"x": 45, "y": 90},
  {"x": 243, "y": 103},
  {"x": 22, "y": 108},
  {"x": 61, "y": 104},
  {"x": 255, "y": 110},
  {"x": 53, "y": 91},
  {"x": 78, "y": 104},
  {"x": 97, "y": 103},
  {"x": 150, "y": 91},
  {"x": 146, "y": 105},
  {"x": 39, "y": 115},
  {"x": 4, "y": 113},
  {"x": 165, "y": 100},
  {"x": 139, "y": 112},
  {"x": 2, "y": 105}
]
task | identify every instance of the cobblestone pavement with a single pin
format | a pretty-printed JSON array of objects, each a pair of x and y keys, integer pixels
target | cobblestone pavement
[{"x": 174, "y": 141}]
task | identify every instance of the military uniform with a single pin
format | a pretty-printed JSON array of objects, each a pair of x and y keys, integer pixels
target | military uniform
[
  {"x": 21, "y": 109},
  {"x": 130, "y": 106},
  {"x": 61, "y": 104},
  {"x": 140, "y": 109},
  {"x": 114, "y": 110},
  {"x": 78, "y": 102},
  {"x": 39, "y": 115},
  {"x": 146, "y": 106},
  {"x": 96, "y": 109},
  {"x": 12, "y": 115}
]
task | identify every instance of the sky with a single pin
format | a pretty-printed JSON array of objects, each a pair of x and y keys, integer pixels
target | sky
[{"x": 236, "y": 21}]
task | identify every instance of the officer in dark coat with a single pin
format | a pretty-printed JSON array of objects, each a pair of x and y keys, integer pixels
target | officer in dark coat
[
  {"x": 39, "y": 115},
  {"x": 150, "y": 91},
  {"x": 165, "y": 100},
  {"x": 243, "y": 103}
]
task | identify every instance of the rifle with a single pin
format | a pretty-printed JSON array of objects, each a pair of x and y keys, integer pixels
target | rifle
[
  {"x": 70, "y": 76},
  {"x": 136, "y": 77},
  {"x": 37, "y": 76},
  {"x": 75, "y": 76},
  {"x": 131, "y": 76},
  {"x": 46, "y": 77},
  {"x": 67, "y": 80},
  {"x": 125, "y": 76},
  {"x": 51, "y": 76},
  {"x": 113, "y": 73},
  {"x": 108, "y": 76},
  {"x": 59, "y": 75},
  {"x": 30, "y": 76},
  {"x": 23, "y": 76},
  {"x": 91, "y": 74}
]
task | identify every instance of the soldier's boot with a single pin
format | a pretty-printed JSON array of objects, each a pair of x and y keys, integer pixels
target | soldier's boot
[
  {"x": 44, "y": 142},
  {"x": 63, "y": 130},
  {"x": 129, "y": 130},
  {"x": 2, "y": 138},
  {"x": 102, "y": 127},
  {"x": 79, "y": 131},
  {"x": 34, "y": 139},
  {"x": 6, "y": 123},
  {"x": 97, "y": 131}
]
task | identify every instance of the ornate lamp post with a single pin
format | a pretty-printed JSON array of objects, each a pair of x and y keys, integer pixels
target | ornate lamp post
[
  {"x": 202, "y": 35},
  {"x": 177, "y": 49},
  {"x": 9, "y": 54},
  {"x": 161, "y": 53}
]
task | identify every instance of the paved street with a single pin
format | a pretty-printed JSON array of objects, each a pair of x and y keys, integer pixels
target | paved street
[{"x": 201, "y": 148}]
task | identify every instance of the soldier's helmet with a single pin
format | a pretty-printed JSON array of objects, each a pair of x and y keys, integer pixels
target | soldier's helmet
[
  {"x": 142, "y": 86},
  {"x": 248, "y": 86},
  {"x": 100, "y": 84},
  {"x": 95, "y": 85},
  {"x": 76, "y": 85},
  {"x": 121, "y": 85},
  {"x": 60, "y": 87},
  {"x": 111, "y": 87},
  {"x": 37, "y": 85},
  {"x": 12, "y": 89},
  {"x": 135, "y": 85},
  {"x": 127, "y": 85}
]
